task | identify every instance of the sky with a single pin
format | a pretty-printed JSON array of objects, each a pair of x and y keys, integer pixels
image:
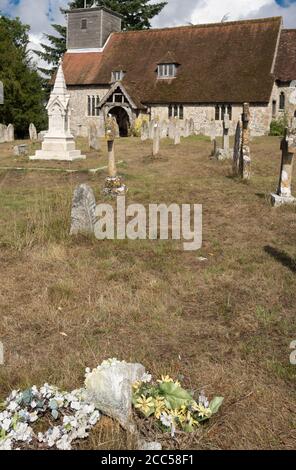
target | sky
[{"x": 39, "y": 14}]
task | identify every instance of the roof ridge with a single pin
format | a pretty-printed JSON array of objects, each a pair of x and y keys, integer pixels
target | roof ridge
[{"x": 204, "y": 25}]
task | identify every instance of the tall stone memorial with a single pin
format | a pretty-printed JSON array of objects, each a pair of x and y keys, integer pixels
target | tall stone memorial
[
  {"x": 237, "y": 149},
  {"x": 113, "y": 184},
  {"x": 288, "y": 147},
  {"x": 156, "y": 140},
  {"x": 58, "y": 143}
]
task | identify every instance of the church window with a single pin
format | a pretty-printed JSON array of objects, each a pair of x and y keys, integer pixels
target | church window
[
  {"x": 93, "y": 105},
  {"x": 176, "y": 111},
  {"x": 117, "y": 75},
  {"x": 84, "y": 24},
  {"x": 274, "y": 108},
  {"x": 282, "y": 101},
  {"x": 220, "y": 111},
  {"x": 167, "y": 71}
]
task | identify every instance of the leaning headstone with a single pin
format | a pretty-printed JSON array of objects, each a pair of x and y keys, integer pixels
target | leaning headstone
[
  {"x": 10, "y": 133},
  {"x": 144, "y": 131},
  {"x": 237, "y": 149},
  {"x": 93, "y": 138},
  {"x": 156, "y": 140},
  {"x": 83, "y": 215},
  {"x": 109, "y": 387},
  {"x": 288, "y": 147},
  {"x": 33, "y": 132},
  {"x": 245, "y": 154},
  {"x": 20, "y": 150}
]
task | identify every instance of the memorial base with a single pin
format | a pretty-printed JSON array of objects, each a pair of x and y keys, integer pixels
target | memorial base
[{"x": 278, "y": 201}]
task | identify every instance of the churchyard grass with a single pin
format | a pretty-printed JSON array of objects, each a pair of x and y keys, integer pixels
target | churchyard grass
[{"x": 223, "y": 325}]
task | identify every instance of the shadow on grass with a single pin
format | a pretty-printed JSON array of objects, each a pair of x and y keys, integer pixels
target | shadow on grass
[{"x": 282, "y": 258}]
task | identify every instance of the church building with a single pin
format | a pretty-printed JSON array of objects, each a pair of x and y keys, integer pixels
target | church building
[{"x": 190, "y": 72}]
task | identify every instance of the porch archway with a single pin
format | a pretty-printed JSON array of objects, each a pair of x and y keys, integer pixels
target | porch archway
[{"x": 122, "y": 119}]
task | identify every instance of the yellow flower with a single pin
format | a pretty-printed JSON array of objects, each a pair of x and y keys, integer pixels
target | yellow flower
[
  {"x": 191, "y": 421},
  {"x": 159, "y": 406},
  {"x": 145, "y": 404},
  {"x": 136, "y": 386},
  {"x": 165, "y": 379},
  {"x": 180, "y": 414},
  {"x": 202, "y": 411}
]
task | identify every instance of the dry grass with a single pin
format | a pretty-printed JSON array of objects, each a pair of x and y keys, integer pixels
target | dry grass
[{"x": 224, "y": 325}]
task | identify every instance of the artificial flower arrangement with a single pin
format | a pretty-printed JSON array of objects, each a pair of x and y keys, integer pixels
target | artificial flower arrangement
[{"x": 172, "y": 406}]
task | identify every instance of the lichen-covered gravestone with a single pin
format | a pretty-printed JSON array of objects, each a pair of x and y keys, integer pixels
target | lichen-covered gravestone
[
  {"x": 93, "y": 137},
  {"x": 3, "y": 133},
  {"x": 288, "y": 147},
  {"x": 10, "y": 133},
  {"x": 245, "y": 154},
  {"x": 83, "y": 215}
]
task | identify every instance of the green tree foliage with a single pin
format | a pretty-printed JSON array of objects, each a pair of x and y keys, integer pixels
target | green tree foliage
[
  {"x": 137, "y": 15},
  {"x": 23, "y": 92}
]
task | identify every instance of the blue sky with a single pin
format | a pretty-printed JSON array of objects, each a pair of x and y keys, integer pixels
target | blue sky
[{"x": 40, "y": 13}]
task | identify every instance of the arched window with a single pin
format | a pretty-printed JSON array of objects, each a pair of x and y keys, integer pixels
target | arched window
[
  {"x": 274, "y": 108},
  {"x": 282, "y": 101},
  {"x": 181, "y": 112}
]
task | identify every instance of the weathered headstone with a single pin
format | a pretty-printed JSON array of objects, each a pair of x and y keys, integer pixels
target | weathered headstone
[
  {"x": 20, "y": 150},
  {"x": 156, "y": 140},
  {"x": 172, "y": 128},
  {"x": 177, "y": 139},
  {"x": 93, "y": 138},
  {"x": 191, "y": 127},
  {"x": 3, "y": 133},
  {"x": 10, "y": 133},
  {"x": 144, "y": 131},
  {"x": 237, "y": 149},
  {"x": 83, "y": 215},
  {"x": 33, "y": 132},
  {"x": 288, "y": 147},
  {"x": 226, "y": 126},
  {"x": 245, "y": 154}
]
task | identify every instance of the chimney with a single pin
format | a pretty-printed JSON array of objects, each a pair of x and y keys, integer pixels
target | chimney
[{"x": 89, "y": 28}]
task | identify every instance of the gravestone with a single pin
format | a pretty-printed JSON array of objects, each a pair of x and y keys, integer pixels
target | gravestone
[
  {"x": 177, "y": 139},
  {"x": 245, "y": 154},
  {"x": 172, "y": 128},
  {"x": 144, "y": 131},
  {"x": 226, "y": 127},
  {"x": 58, "y": 143},
  {"x": 20, "y": 150},
  {"x": 156, "y": 140},
  {"x": 288, "y": 147},
  {"x": 164, "y": 129},
  {"x": 10, "y": 133},
  {"x": 191, "y": 127},
  {"x": 3, "y": 133},
  {"x": 213, "y": 130},
  {"x": 93, "y": 138},
  {"x": 33, "y": 132},
  {"x": 186, "y": 129},
  {"x": 151, "y": 128},
  {"x": 83, "y": 215},
  {"x": 237, "y": 149}
]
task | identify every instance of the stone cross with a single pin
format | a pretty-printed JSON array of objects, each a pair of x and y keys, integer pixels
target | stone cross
[
  {"x": 110, "y": 136},
  {"x": 288, "y": 147},
  {"x": 226, "y": 126},
  {"x": 245, "y": 154},
  {"x": 93, "y": 137},
  {"x": 83, "y": 215},
  {"x": 237, "y": 149},
  {"x": 156, "y": 140}
]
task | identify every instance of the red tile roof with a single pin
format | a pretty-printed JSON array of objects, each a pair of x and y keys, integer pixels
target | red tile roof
[
  {"x": 286, "y": 60},
  {"x": 224, "y": 62}
]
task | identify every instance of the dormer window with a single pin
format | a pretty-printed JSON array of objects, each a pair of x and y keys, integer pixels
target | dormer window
[
  {"x": 117, "y": 75},
  {"x": 167, "y": 70},
  {"x": 84, "y": 24}
]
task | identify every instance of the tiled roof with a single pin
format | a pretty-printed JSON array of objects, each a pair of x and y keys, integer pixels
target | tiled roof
[
  {"x": 224, "y": 62},
  {"x": 286, "y": 60}
]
